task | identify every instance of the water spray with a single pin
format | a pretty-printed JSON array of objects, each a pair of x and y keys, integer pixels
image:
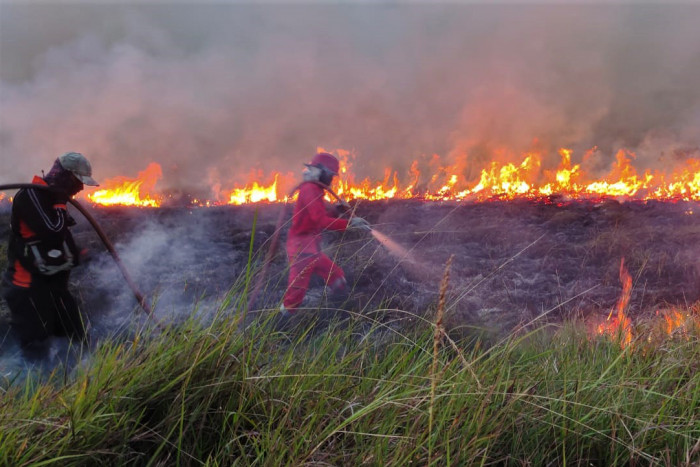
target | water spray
[
  {"x": 105, "y": 240},
  {"x": 393, "y": 247}
]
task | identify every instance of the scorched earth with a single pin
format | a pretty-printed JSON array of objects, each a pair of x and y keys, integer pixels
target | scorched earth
[{"x": 515, "y": 262}]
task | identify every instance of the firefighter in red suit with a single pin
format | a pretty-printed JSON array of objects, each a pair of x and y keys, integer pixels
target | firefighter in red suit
[
  {"x": 41, "y": 253},
  {"x": 303, "y": 241}
]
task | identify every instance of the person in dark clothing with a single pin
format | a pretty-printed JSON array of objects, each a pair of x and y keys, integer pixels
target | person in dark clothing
[
  {"x": 303, "y": 241},
  {"x": 41, "y": 254}
]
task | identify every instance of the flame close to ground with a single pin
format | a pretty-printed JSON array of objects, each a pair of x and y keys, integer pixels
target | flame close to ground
[
  {"x": 446, "y": 183},
  {"x": 672, "y": 322},
  {"x": 130, "y": 192},
  {"x": 620, "y": 326},
  {"x": 255, "y": 193}
]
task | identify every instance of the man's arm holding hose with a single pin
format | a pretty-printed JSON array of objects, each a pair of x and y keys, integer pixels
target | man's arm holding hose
[{"x": 317, "y": 211}]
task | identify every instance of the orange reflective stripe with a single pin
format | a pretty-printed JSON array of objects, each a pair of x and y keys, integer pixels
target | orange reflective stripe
[
  {"x": 24, "y": 230},
  {"x": 21, "y": 277}
]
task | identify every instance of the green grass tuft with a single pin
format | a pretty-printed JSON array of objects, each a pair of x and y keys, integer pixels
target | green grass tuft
[{"x": 213, "y": 395}]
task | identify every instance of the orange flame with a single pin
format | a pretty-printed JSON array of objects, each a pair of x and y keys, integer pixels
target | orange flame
[
  {"x": 130, "y": 192},
  {"x": 620, "y": 326},
  {"x": 674, "y": 320},
  {"x": 256, "y": 193},
  {"x": 679, "y": 323},
  {"x": 526, "y": 179}
]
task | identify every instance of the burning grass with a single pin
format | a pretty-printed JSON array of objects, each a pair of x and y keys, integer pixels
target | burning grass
[
  {"x": 436, "y": 180},
  {"x": 362, "y": 393}
]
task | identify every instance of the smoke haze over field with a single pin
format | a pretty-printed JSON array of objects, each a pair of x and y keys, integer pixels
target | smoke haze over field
[{"x": 214, "y": 91}]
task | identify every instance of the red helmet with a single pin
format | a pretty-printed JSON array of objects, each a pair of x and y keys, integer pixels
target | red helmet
[{"x": 329, "y": 161}]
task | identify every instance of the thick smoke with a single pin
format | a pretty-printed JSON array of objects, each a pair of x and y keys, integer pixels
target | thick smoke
[
  {"x": 181, "y": 261},
  {"x": 214, "y": 91}
]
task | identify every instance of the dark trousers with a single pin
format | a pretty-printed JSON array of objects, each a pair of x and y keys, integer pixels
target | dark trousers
[{"x": 43, "y": 310}]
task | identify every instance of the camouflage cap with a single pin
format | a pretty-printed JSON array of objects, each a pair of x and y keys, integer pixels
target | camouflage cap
[{"x": 79, "y": 165}]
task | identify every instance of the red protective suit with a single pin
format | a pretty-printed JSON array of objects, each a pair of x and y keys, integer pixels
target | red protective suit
[{"x": 303, "y": 244}]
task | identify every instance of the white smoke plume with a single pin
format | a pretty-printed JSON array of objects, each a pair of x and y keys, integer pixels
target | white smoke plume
[
  {"x": 171, "y": 259},
  {"x": 222, "y": 89}
]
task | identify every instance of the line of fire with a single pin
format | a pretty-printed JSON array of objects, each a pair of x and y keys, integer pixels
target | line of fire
[{"x": 525, "y": 179}]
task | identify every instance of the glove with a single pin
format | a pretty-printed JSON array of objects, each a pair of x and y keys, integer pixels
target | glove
[{"x": 360, "y": 224}]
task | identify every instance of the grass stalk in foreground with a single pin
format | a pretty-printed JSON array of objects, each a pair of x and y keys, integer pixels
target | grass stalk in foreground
[
  {"x": 329, "y": 397},
  {"x": 437, "y": 337}
]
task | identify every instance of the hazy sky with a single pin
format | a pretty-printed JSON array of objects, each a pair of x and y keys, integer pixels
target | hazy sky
[{"x": 211, "y": 91}]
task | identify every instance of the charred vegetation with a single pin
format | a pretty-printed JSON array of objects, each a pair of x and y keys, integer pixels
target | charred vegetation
[{"x": 513, "y": 260}]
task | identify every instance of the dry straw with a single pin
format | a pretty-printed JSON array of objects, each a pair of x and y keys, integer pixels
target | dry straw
[{"x": 437, "y": 337}]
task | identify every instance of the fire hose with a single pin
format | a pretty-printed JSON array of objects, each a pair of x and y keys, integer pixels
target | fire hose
[
  {"x": 274, "y": 240},
  {"x": 132, "y": 285}
]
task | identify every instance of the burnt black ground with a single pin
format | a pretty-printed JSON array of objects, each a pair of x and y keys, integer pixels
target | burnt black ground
[{"x": 513, "y": 260}]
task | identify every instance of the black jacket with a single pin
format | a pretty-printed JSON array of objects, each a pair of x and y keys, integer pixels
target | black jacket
[{"x": 40, "y": 241}]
